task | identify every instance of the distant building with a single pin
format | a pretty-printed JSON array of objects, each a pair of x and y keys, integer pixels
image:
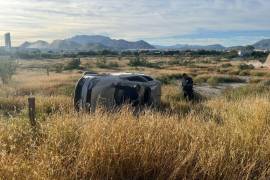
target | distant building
[
  {"x": 7, "y": 40},
  {"x": 261, "y": 50}
]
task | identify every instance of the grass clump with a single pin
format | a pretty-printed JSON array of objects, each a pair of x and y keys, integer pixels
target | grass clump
[
  {"x": 103, "y": 64},
  {"x": 169, "y": 79},
  {"x": 245, "y": 66},
  {"x": 201, "y": 79},
  {"x": 215, "y": 80},
  {"x": 72, "y": 64},
  {"x": 139, "y": 61},
  {"x": 244, "y": 73},
  {"x": 226, "y": 65},
  {"x": 253, "y": 90},
  {"x": 7, "y": 70},
  {"x": 259, "y": 73}
]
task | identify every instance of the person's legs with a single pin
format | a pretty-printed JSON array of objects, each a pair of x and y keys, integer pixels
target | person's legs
[
  {"x": 190, "y": 95},
  {"x": 185, "y": 95}
]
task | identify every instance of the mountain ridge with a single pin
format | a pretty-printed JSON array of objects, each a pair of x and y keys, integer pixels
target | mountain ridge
[
  {"x": 99, "y": 42},
  {"x": 87, "y": 42},
  {"x": 262, "y": 44}
]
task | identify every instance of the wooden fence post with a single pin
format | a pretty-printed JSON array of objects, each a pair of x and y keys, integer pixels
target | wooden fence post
[{"x": 32, "y": 111}]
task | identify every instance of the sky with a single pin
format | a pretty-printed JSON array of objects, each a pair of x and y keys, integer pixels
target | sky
[{"x": 163, "y": 22}]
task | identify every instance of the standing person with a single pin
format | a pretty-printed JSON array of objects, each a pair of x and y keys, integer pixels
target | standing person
[{"x": 187, "y": 86}]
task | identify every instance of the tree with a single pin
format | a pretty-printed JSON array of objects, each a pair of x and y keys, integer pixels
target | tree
[
  {"x": 137, "y": 61},
  {"x": 249, "y": 47},
  {"x": 7, "y": 70},
  {"x": 73, "y": 64},
  {"x": 101, "y": 62}
]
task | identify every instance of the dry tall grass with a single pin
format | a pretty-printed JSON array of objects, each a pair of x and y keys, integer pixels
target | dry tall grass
[{"x": 221, "y": 139}]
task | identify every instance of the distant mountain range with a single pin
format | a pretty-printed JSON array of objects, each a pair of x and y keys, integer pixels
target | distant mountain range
[
  {"x": 84, "y": 43},
  {"x": 97, "y": 43},
  {"x": 263, "y": 44},
  {"x": 214, "y": 47}
]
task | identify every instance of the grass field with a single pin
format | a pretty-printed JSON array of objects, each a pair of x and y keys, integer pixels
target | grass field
[{"x": 219, "y": 137}]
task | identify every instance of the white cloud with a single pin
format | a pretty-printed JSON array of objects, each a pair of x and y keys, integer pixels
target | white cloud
[{"x": 129, "y": 19}]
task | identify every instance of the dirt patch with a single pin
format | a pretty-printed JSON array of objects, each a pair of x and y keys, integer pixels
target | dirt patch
[
  {"x": 258, "y": 64},
  {"x": 211, "y": 91}
]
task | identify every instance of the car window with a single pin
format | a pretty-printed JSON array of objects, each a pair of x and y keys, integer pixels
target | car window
[
  {"x": 148, "y": 78},
  {"x": 136, "y": 79}
]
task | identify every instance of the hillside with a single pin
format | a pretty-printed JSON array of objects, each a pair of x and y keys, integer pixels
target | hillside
[
  {"x": 36, "y": 45},
  {"x": 98, "y": 42},
  {"x": 263, "y": 44},
  {"x": 86, "y": 43},
  {"x": 214, "y": 47}
]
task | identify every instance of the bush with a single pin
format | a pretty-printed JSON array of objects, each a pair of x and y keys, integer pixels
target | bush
[
  {"x": 234, "y": 72},
  {"x": 215, "y": 80},
  {"x": 261, "y": 89},
  {"x": 226, "y": 65},
  {"x": 245, "y": 66},
  {"x": 73, "y": 64},
  {"x": 169, "y": 79},
  {"x": 101, "y": 62},
  {"x": 259, "y": 73},
  {"x": 137, "y": 61},
  {"x": 113, "y": 65},
  {"x": 59, "y": 68},
  {"x": 231, "y": 54},
  {"x": 7, "y": 70},
  {"x": 244, "y": 73},
  {"x": 201, "y": 79},
  {"x": 181, "y": 62}
]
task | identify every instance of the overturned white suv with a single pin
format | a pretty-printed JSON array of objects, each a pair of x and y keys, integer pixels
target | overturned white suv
[{"x": 114, "y": 89}]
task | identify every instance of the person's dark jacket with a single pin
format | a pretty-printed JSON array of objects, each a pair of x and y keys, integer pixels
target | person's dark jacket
[{"x": 187, "y": 84}]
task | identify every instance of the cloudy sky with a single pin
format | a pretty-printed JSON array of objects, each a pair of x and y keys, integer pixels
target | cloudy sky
[{"x": 165, "y": 22}]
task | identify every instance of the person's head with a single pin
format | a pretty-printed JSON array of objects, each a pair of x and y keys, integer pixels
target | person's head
[{"x": 185, "y": 75}]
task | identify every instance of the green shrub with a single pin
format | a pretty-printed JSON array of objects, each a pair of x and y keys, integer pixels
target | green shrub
[
  {"x": 113, "y": 65},
  {"x": 226, "y": 65},
  {"x": 234, "y": 72},
  {"x": 255, "y": 80},
  {"x": 261, "y": 89},
  {"x": 7, "y": 70},
  {"x": 259, "y": 73},
  {"x": 180, "y": 62},
  {"x": 244, "y": 73},
  {"x": 102, "y": 63},
  {"x": 73, "y": 64},
  {"x": 59, "y": 68},
  {"x": 169, "y": 79},
  {"x": 137, "y": 61},
  {"x": 201, "y": 79},
  {"x": 215, "y": 80},
  {"x": 245, "y": 66}
]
